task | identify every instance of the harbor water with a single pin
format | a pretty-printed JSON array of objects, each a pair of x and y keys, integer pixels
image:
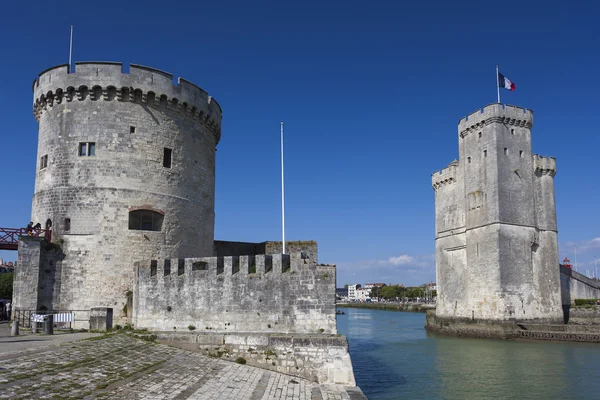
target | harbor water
[{"x": 394, "y": 358}]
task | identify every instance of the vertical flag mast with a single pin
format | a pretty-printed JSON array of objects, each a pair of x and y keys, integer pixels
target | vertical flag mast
[
  {"x": 70, "y": 48},
  {"x": 498, "y": 83},
  {"x": 282, "y": 196}
]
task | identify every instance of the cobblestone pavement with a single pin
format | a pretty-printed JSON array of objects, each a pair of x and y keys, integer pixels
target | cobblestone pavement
[{"x": 120, "y": 366}]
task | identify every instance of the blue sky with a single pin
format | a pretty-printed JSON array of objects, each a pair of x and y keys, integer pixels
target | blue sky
[{"x": 370, "y": 93}]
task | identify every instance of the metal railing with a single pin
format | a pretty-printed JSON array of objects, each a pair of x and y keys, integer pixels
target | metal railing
[
  {"x": 63, "y": 319},
  {"x": 9, "y": 237}
]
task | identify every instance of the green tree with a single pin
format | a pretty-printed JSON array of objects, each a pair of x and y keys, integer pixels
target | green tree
[{"x": 6, "y": 286}]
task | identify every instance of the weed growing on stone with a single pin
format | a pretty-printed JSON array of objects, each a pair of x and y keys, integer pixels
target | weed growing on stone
[
  {"x": 240, "y": 360},
  {"x": 192, "y": 327}
]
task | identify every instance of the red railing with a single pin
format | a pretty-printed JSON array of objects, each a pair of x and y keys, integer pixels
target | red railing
[{"x": 9, "y": 237}]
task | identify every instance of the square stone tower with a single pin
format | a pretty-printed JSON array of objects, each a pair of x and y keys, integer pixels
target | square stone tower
[{"x": 496, "y": 235}]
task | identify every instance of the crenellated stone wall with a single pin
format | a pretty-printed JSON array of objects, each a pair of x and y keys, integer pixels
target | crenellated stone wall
[{"x": 260, "y": 294}]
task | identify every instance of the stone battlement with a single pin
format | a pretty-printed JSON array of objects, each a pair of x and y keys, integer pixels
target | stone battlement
[
  {"x": 445, "y": 176},
  {"x": 502, "y": 113},
  {"x": 263, "y": 293},
  {"x": 106, "y": 81},
  {"x": 545, "y": 165}
]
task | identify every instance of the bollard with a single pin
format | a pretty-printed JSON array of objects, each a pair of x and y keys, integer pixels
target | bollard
[
  {"x": 49, "y": 324},
  {"x": 14, "y": 329}
]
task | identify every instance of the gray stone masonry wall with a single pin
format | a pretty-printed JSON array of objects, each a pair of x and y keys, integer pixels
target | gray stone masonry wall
[
  {"x": 496, "y": 235},
  {"x": 223, "y": 294},
  {"x": 131, "y": 117},
  {"x": 321, "y": 358},
  {"x": 27, "y": 275},
  {"x": 101, "y": 318},
  {"x": 577, "y": 286}
]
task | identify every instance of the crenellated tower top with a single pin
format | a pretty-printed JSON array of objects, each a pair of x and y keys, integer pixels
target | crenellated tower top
[
  {"x": 106, "y": 81},
  {"x": 495, "y": 113}
]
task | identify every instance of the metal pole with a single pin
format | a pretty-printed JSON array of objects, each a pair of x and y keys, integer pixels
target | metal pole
[
  {"x": 282, "y": 196},
  {"x": 70, "y": 48},
  {"x": 498, "y": 83}
]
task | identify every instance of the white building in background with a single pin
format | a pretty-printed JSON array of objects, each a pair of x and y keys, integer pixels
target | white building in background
[
  {"x": 352, "y": 291},
  {"x": 363, "y": 294}
]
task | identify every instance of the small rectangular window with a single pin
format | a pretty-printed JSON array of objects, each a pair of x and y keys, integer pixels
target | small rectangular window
[
  {"x": 480, "y": 135},
  {"x": 44, "y": 161},
  {"x": 485, "y": 153},
  {"x": 521, "y": 153},
  {"x": 505, "y": 151},
  {"x": 512, "y": 131},
  {"x": 132, "y": 129},
  {"x": 469, "y": 160},
  {"x": 67, "y": 224},
  {"x": 167, "y": 158},
  {"x": 87, "y": 149}
]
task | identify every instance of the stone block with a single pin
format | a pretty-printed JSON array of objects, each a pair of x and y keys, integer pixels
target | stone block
[{"x": 101, "y": 318}]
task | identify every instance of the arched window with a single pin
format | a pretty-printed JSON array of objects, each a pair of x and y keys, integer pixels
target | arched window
[{"x": 145, "y": 220}]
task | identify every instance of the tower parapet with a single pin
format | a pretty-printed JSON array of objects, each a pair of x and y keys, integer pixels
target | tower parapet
[
  {"x": 544, "y": 165},
  {"x": 445, "y": 176},
  {"x": 501, "y": 113},
  {"x": 106, "y": 81}
]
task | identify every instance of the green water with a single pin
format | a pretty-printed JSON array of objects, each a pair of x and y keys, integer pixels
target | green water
[{"x": 394, "y": 358}]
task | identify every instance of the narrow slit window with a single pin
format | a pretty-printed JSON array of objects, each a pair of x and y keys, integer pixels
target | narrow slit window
[
  {"x": 485, "y": 153},
  {"x": 44, "y": 161},
  {"x": 521, "y": 153},
  {"x": 479, "y": 135},
  {"x": 512, "y": 131},
  {"x": 167, "y": 157},
  {"x": 67, "y": 224},
  {"x": 469, "y": 160},
  {"x": 505, "y": 151}
]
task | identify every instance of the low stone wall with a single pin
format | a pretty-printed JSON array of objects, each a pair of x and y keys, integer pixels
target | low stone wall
[
  {"x": 465, "y": 327},
  {"x": 577, "y": 286},
  {"x": 319, "y": 358},
  {"x": 584, "y": 315}
]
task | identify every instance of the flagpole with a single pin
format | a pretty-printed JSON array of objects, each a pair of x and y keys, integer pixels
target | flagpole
[
  {"x": 282, "y": 196},
  {"x": 70, "y": 48},
  {"x": 498, "y": 83}
]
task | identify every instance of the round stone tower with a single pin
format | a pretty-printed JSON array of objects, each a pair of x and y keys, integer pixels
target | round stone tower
[{"x": 126, "y": 172}]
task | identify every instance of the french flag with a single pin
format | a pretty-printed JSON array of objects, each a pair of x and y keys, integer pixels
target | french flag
[{"x": 505, "y": 83}]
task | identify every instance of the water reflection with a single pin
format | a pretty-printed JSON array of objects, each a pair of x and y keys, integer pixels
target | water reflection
[{"x": 393, "y": 358}]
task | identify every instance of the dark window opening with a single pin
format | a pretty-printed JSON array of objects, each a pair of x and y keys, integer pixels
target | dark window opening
[
  {"x": 67, "y": 224},
  {"x": 44, "y": 161},
  {"x": 167, "y": 268},
  {"x": 167, "y": 158},
  {"x": 145, "y": 220},
  {"x": 153, "y": 267},
  {"x": 521, "y": 153},
  {"x": 505, "y": 151},
  {"x": 132, "y": 129},
  {"x": 512, "y": 131},
  {"x": 485, "y": 153},
  {"x": 220, "y": 265},
  {"x": 199, "y": 266},
  {"x": 469, "y": 160},
  {"x": 480, "y": 135},
  {"x": 87, "y": 149}
]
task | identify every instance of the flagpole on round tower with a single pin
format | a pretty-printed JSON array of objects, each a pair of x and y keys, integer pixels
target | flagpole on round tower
[
  {"x": 498, "y": 83},
  {"x": 70, "y": 48},
  {"x": 282, "y": 197}
]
